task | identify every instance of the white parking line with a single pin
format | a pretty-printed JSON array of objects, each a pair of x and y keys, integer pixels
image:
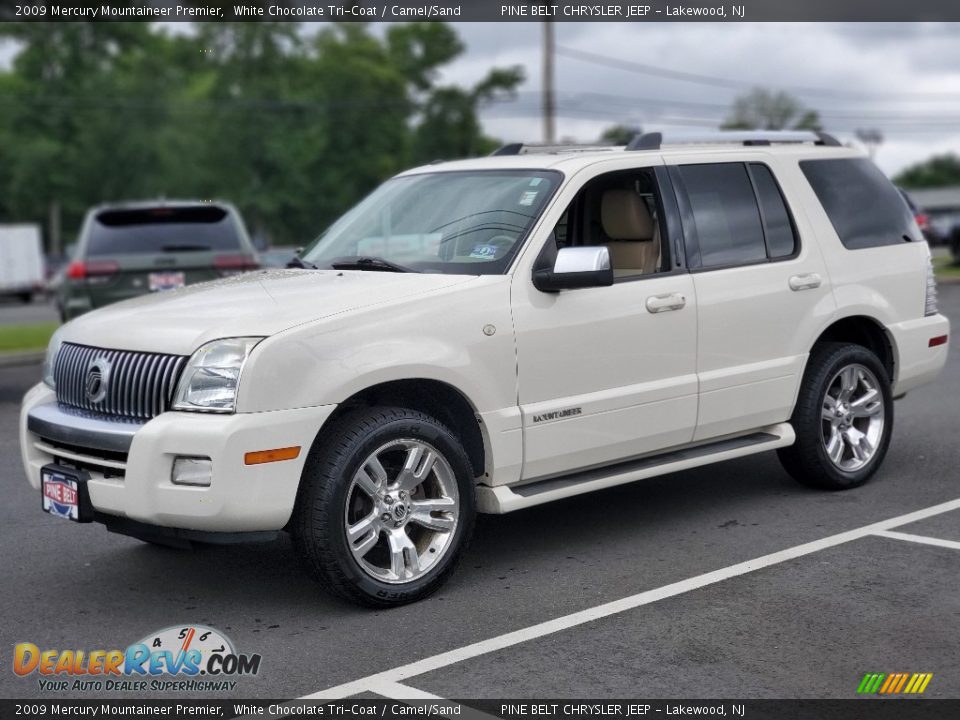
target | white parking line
[
  {"x": 399, "y": 691},
  {"x": 386, "y": 678},
  {"x": 922, "y": 539}
]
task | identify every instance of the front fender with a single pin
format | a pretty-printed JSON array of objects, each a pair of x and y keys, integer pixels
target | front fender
[{"x": 462, "y": 336}]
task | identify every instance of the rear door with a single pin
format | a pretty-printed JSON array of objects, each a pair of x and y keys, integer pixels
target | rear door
[
  {"x": 131, "y": 252},
  {"x": 762, "y": 291}
]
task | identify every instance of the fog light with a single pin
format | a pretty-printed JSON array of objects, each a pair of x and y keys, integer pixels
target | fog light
[{"x": 192, "y": 471}]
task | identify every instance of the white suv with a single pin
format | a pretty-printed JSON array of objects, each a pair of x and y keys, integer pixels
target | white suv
[{"x": 492, "y": 334}]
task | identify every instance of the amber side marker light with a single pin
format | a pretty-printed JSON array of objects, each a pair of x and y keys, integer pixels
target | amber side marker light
[
  {"x": 268, "y": 456},
  {"x": 938, "y": 340}
]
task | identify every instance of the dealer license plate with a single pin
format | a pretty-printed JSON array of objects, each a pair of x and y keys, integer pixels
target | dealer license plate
[
  {"x": 166, "y": 281},
  {"x": 61, "y": 493}
]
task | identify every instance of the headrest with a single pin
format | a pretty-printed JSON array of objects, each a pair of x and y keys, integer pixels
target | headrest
[{"x": 625, "y": 216}]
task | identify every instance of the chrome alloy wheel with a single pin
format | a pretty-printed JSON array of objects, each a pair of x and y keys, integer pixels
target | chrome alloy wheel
[
  {"x": 402, "y": 510},
  {"x": 852, "y": 417}
]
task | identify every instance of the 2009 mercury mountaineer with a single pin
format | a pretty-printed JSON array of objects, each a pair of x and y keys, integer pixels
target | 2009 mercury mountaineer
[{"x": 491, "y": 334}]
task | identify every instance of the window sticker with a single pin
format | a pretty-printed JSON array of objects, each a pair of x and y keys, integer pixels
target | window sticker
[
  {"x": 535, "y": 181},
  {"x": 484, "y": 252},
  {"x": 528, "y": 197}
]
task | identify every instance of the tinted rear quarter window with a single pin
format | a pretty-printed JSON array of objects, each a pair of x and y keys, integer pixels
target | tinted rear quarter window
[
  {"x": 162, "y": 230},
  {"x": 725, "y": 214},
  {"x": 864, "y": 207},
  {"x": 781, "y": 235}
]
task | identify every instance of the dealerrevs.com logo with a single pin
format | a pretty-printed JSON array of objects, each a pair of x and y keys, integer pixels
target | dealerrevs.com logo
[{"x": 177, "y": 659}]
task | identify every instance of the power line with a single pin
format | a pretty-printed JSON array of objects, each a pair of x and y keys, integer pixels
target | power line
[
  {"x": 639, "y": 103},
  {"x": 714, "y": 81}
]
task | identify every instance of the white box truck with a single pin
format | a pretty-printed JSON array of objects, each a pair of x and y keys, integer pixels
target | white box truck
[{"x": 21, "y": 261}]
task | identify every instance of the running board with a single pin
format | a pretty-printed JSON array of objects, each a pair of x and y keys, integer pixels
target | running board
[{"x": 504, "y": 499}]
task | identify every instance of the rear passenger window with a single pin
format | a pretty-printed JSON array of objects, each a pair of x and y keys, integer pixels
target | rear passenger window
[
  {"x": 865, "y": 208},
  {"x": 725, "y": 214},
  {"x": 780, "y": 233}
]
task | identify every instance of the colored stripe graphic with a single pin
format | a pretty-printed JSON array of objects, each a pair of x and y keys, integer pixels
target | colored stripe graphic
[
  {"x": 871, "y": 683},
  {"x": 888, "y": 683},
  {"x": 894, "y": 683}
]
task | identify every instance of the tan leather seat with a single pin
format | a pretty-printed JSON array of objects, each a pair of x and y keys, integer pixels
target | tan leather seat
[{"x": 635, "y": 249}]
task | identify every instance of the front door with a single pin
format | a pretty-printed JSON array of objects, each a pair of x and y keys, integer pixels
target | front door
[{"x": 609, "y": 373}]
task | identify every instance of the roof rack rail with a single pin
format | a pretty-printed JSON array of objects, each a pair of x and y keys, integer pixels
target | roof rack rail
[
  {"x": 529, "y": 148},
  {"x": 655, "y": 140}
]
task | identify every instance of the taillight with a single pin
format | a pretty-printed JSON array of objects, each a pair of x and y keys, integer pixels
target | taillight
[
  {"x": 80, "y": 269},
  {"x": 923, "y": 220},
  {"x": 76, "y": 270},
  {"x": 930, "y": 302},
  {"x": 229, "y": 264}
]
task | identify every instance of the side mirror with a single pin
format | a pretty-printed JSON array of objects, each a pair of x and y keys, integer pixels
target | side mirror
[{"x": 575, "y": 267}]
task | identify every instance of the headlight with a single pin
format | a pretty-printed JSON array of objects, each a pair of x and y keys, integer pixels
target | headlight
[
  {"x": 53, "y": 347},
  {"x": 209, "y": 382}
]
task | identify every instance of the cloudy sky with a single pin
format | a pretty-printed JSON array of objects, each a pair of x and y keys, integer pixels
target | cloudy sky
[{"x": 903, "y": 79}]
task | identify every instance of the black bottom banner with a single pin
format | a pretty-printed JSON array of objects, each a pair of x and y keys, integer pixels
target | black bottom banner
[{"x": 853, "y": 709}]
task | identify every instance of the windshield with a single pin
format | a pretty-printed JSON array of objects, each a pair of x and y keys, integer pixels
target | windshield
[{"x": 450, "y": 222}]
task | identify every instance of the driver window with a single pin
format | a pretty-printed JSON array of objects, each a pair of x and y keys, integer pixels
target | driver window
[{"x": 620, "y": 211}]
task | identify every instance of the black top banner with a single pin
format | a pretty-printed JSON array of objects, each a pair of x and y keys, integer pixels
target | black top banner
[{"x": 639, "y": 11}]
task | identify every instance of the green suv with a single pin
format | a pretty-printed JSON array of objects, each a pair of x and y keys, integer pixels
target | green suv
[{"x": 130, "y": 249}]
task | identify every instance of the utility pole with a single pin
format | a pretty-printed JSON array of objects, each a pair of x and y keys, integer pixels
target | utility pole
[
  {"x": 53, "y": 229},
  {"x": 549, "y": 101}
]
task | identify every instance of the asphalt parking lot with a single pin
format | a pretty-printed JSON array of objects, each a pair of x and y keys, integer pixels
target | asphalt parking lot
[
  {"x": 727, "y": 581},
  {"x": 14, "y": 312}
]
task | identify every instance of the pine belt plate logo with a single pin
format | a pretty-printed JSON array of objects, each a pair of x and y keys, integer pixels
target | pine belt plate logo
[
  {"x": 894, "y": 683},
  {"x": 184, "y": 657}
]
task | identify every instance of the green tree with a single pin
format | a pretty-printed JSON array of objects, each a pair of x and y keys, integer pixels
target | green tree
[
  {"x": 762, "y": 109},
  {"x": 619, "y": 134},
  {"x": 938, "y": 171},
  {"x": 293, "y": 128},
  {"x": 82, "y": 116},
  {"x": 449, "y": 127}
]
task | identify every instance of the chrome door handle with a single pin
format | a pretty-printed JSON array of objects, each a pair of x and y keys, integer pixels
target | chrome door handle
[
  {"x": 805, "y": 282},
  {"x": 665, "y": 303}
]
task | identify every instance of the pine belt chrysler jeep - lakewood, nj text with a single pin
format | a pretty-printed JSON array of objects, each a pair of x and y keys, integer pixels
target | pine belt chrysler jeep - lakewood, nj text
[{"x": 491, "y": 334}]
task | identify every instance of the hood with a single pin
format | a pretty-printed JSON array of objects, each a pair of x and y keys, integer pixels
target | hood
[{"x": 260, "y": 303}]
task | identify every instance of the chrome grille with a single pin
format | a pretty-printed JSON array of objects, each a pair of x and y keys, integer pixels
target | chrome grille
[{"x": 139, "y": 385}]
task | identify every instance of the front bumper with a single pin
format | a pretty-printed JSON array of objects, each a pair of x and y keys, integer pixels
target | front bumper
[{"x": 130, "y": 464}]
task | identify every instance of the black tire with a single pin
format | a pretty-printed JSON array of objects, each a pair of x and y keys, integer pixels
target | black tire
[
  {"x": 319, "y": 521},
  {"x": 26, "y": 297},
  {"x": 807, "y": 460}
]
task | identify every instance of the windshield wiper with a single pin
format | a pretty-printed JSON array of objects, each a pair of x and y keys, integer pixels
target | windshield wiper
[
  {"x": 298, "y": 262},
  {"x": 369, "y": 263}
]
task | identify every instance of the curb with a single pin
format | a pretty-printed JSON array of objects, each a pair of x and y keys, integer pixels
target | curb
[{"x": 29, "y": 357}]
